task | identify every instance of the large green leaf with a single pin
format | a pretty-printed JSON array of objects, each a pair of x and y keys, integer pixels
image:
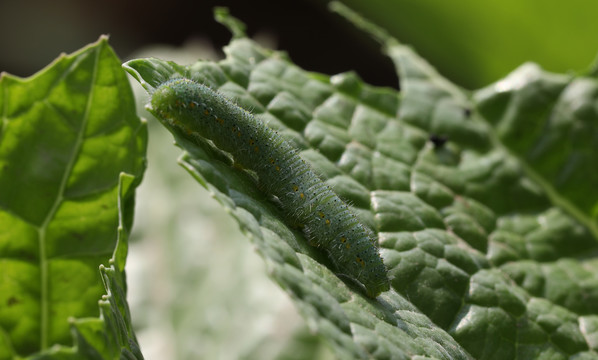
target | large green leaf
[
  {"x": 489, "y": 255},
  {"x": 69, "y": 133}
]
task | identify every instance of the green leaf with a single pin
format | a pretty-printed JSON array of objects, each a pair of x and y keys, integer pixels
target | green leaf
[
  {"x": 485, "y": 260},
  {"x": 69, "y": 133},
  {"x": 548, "y": 122},
  {"x": 499, "y": 35}
]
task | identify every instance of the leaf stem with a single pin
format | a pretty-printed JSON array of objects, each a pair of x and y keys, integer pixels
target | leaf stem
[{"x": 375, "y": 31}]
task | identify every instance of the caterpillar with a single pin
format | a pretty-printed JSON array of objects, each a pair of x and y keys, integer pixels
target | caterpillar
[{"x": 199, "y": 111}]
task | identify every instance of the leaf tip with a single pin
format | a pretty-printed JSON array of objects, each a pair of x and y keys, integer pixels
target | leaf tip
[{"x": 234, "y": 25}]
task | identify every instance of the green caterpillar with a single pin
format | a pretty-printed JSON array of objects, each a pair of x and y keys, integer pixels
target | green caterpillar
[{"x": 327, "y": 221}]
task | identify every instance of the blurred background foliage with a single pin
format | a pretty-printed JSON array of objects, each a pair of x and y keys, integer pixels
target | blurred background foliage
[
  {"x": 197, "y": 289},
  {"x": 471, "y": 42}
]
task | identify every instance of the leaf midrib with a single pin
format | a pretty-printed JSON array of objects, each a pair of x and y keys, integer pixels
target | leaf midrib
[{"x": 44, "y": 300}]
